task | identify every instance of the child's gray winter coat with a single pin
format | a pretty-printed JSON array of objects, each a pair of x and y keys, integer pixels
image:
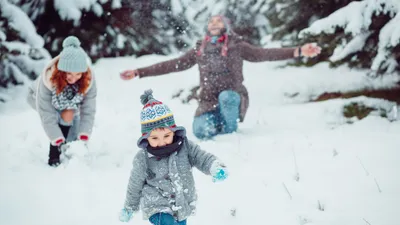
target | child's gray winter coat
[{"x": 172, "y": 190}]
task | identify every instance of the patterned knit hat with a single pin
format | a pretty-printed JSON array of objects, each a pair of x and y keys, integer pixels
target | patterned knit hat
[
  {"x": 154, "y": 115},
  {"x": 72, "y": 57}
]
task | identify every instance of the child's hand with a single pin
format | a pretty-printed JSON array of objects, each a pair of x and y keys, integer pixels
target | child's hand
[
  {"x": 125, "y": 215},
  {"x": 218, "y": 171},
  {"x": 222, "y": 174}
]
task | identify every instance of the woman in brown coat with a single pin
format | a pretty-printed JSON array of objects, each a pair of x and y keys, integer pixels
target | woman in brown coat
[{"x": 223, "y": 99}]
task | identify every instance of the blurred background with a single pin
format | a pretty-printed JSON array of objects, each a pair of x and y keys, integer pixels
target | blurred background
[
  {"x": 357, "y": 34},
  {"x": 293, "y": 161}
]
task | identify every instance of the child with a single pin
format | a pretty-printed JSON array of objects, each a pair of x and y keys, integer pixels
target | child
[
  {"x": 161, "y": 179},
  {"x": 65, "y": 97}
]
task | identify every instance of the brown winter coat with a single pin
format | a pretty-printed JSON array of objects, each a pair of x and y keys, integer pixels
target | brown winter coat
[{"x": 217, "y": 72}]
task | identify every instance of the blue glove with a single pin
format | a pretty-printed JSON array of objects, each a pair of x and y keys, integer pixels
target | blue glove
[
  {"x": 125, "y": 215},
  {"x": 218, "y": 171},
  {"x": 220, "y": 175}
]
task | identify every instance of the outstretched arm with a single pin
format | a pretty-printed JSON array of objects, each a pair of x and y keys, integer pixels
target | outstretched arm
[
  {"x": 200, "y": 159},
  {"x": 184, "y": 62},
  {"x": 206, "y": 162},
  {"x": 256, "y": 54}
]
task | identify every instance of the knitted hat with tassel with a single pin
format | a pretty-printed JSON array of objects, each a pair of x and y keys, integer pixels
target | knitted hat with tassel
[{"x": 156, "y": 114}]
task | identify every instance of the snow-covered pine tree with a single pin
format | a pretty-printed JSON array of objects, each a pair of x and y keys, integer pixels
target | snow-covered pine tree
[
  {"x": 110, "y": 28},
  {"x": 169, "y": 31},
  {"x": 249, "y": 19},
  {"x": 363, "y": 34},
  {"x": 33, "y": 8},
  {"x": 287, "y": 17},
  {"x": 95, "y": 22},
  {"x": 21, "y": 48}
]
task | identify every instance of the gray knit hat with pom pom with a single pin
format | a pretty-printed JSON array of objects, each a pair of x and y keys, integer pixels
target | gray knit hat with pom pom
[
  {"x": 72, "y": 57},
  {"x": 154, "y": 115}
]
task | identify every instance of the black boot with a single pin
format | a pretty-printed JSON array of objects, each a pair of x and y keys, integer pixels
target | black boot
[
  {"x": 54, "y": 156},
  {"x": 55, "y": 151}
]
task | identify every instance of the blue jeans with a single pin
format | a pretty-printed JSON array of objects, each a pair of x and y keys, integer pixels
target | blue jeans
[
  {"x": 224, "y": 120},
  {"x": 165, "y": 219}
]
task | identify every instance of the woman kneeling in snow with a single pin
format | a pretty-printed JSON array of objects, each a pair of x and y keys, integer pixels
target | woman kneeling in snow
[
  {"x": 65, "y": 97},
  {"x": 223, "y": 99}
]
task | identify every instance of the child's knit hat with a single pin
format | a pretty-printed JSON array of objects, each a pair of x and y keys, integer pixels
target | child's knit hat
[
  {"x": 72, "y": 58},
  {"x": 154, "y": 115}
]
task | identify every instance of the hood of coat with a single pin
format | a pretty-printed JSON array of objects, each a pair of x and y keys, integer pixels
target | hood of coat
[{"x": 227, "y": 25}]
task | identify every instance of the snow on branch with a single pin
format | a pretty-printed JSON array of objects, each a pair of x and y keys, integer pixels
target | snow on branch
[
  {"x": 72, "y": 9},
  {"x": 19, "y": 21},
  {"x": 389, "y": 37},
  {"x": 355, "y": 45},
  {"x": 350, "y": 18},
  {"x": 3, "y": 36},
  {"x": 355, "y": 19},
  {"x": 116, "y": 4}
]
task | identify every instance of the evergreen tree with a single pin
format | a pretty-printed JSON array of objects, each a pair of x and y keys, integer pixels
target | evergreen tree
[
  {"x": 22, "y": 54},
  {"x": 362, "y": 34},
  {"x": 101, "y": 25},
  {"x": 288, "y": 17},
  {"x": 109, "y": 28}
]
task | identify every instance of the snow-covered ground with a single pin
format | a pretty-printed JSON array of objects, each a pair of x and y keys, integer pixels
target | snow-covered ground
[{"x": 290, "y": 162}]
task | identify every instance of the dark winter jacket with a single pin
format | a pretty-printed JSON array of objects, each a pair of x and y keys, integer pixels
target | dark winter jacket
[{"x": 217, "y": 72}]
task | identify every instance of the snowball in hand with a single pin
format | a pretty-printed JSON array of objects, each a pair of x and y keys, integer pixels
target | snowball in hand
[{"x": 77, "y": 148}]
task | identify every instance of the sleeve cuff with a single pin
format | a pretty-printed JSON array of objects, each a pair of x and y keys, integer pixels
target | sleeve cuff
[
  {"x": 215, "y": 166},
  {"x": 83, "y": 137},
  {"x": 141, "y": 74},
  {"x": 57, "y": 141}
]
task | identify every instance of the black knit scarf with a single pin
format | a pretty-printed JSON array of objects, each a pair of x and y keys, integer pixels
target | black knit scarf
[{"x": 166, "y": 150}]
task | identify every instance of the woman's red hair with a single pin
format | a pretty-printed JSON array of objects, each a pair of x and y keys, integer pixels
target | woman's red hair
[{"x": 58, "y": 79}]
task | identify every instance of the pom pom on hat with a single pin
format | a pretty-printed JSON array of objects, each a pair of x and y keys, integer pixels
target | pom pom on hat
[
  {"x": 146, "y": 96},
  {"x": 71, "y": 41},
  {"x": 154, "y": 114},
  {"x": 72, "y": 58}
]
